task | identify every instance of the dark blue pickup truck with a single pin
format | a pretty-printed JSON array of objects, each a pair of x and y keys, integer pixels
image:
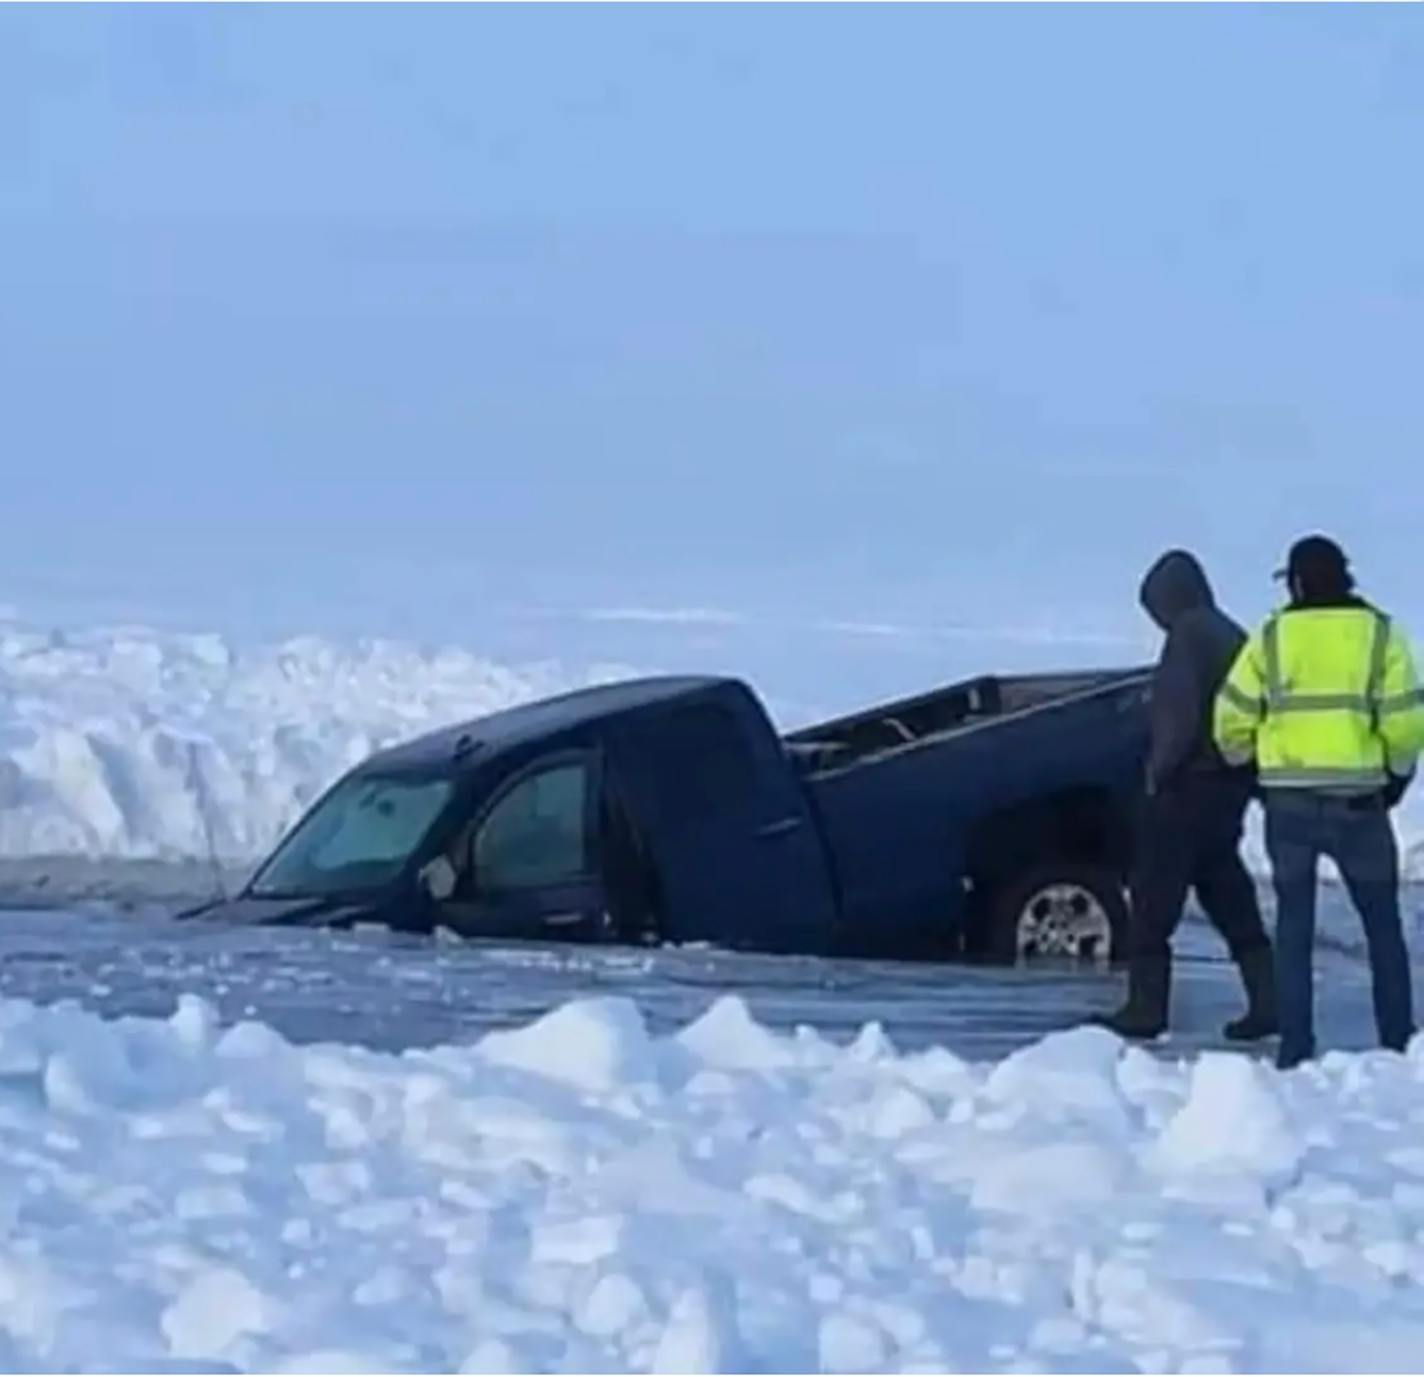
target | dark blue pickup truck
[{"x": 992, "y": 817}]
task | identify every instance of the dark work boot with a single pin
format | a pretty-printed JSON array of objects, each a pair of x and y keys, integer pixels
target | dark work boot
[
  {"x": 1144, "y": 1015},
  {"x": 1258, "y": 974}
]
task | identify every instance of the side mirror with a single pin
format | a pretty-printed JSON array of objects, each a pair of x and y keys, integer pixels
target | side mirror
[{"x": 437, "y": 878}]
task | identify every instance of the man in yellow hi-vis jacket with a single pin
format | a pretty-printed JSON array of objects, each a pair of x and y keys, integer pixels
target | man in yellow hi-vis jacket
[{"x": 1325, "y": 700}]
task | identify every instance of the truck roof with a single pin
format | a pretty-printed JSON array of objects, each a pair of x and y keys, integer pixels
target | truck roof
[{"x": 547, "y": 717}]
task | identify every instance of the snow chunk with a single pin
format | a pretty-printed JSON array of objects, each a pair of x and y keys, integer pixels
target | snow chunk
[
  {"x": 872, "y": 1044},
  {"x": 577, "y": 1242},
  {"x": 1233, "y": 1121},
  {"x": 327, "y": 1360},
  {"x": 1070, "y": 1075},
  {"x": 700, "y": 1334},
  {"x": 728, "y": 1037},
  {"x": 194, "y": 1022},
  {"x": 938, "y": 1072},
  {"x": 897, "y": 1111},
  {"x": 489, "y": 1355},
  {"x": 1047, "y": 1178},
  {"x": 848, "y": 1344},
  {"x": 613, "y": 1304},
  {"x": 213, "y": 1310},
  {"x": 588, "y": 1044},
  {"x": 250, "y": 1040}
]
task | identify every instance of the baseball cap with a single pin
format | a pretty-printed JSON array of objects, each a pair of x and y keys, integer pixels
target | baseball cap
[{"x": 1315, "y": 555}]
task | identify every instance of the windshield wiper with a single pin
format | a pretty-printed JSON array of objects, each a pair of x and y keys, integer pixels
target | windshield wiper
[{"x": 318, "y": 896}]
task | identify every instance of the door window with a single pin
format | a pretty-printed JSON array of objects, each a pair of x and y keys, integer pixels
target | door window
[{"x": 537, "y": 834}]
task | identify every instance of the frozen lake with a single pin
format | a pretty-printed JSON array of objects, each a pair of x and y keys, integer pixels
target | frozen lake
[{"x": 390, "y": 991}]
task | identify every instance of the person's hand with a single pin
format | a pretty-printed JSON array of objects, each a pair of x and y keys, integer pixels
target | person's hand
[{"x": 1394, "y": 791}]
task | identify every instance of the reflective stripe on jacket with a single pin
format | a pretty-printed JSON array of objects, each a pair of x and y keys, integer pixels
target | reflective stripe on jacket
[{"x": 1323, "y": 698}]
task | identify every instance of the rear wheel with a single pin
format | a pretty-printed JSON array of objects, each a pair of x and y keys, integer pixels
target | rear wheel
[{"x": 1063, "y": 911}]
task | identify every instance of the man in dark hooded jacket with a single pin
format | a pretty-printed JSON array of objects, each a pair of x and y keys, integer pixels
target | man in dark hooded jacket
[{"x": 1192, "y": 816}]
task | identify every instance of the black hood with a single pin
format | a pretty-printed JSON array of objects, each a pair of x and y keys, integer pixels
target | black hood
[{"x": 1174, "y": 585}]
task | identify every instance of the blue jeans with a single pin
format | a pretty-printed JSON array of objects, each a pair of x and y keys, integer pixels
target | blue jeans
[{"x": 1301, "y": 827}]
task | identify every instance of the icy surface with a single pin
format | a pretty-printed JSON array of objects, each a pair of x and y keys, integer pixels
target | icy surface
[
  {"x": 132, "y": 743},
  {"x": 391, "y": 991},
  {"x": 583, "y": 1195}
]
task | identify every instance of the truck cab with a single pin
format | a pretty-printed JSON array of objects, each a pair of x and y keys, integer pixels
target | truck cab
[{"x": 656, "y": 809}]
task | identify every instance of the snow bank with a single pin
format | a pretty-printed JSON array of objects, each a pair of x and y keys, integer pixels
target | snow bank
[
  {"x": 130, "y": 743},
  {"x": 580, "y": 1196}
]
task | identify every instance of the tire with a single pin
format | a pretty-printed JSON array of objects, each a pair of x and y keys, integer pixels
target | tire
[{"x": 1077, "y": 908}]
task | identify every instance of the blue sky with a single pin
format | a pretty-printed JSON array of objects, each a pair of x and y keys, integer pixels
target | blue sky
[{"x": 843, "y": 346}]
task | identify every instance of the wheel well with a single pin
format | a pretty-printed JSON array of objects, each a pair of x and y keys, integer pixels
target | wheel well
[{"x": 1082, "y": 825}]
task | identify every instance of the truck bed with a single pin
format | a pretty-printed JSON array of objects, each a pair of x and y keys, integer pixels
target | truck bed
[{"x": 940, "y": 713}]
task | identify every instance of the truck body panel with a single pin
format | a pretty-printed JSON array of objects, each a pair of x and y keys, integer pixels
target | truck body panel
[{"x": 903, "y": 792}]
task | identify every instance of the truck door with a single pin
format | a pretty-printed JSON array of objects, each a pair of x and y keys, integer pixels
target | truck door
[
  {"x": 527, "y": 863},
  {"x": 740, "y": 861}
]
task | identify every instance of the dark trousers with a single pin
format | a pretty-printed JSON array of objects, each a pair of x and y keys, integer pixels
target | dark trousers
[
  {"x": 1191, "y": 840},
  {"x": 1301, "y": 827}
]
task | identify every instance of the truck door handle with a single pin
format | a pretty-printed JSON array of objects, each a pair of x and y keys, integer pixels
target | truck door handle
[
  {"x": 564, "y": 920},
  {"x": 779, "y": 828}
]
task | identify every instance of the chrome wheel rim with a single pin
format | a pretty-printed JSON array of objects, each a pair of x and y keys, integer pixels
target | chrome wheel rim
[{"x": 1064, "y": 921}]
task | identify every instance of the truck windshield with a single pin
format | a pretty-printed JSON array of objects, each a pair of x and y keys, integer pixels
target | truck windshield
[{"x": 357, "y": 839}]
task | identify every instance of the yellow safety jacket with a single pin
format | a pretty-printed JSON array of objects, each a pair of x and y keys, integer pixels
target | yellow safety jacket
[{"x": 1323, "y": 698}]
